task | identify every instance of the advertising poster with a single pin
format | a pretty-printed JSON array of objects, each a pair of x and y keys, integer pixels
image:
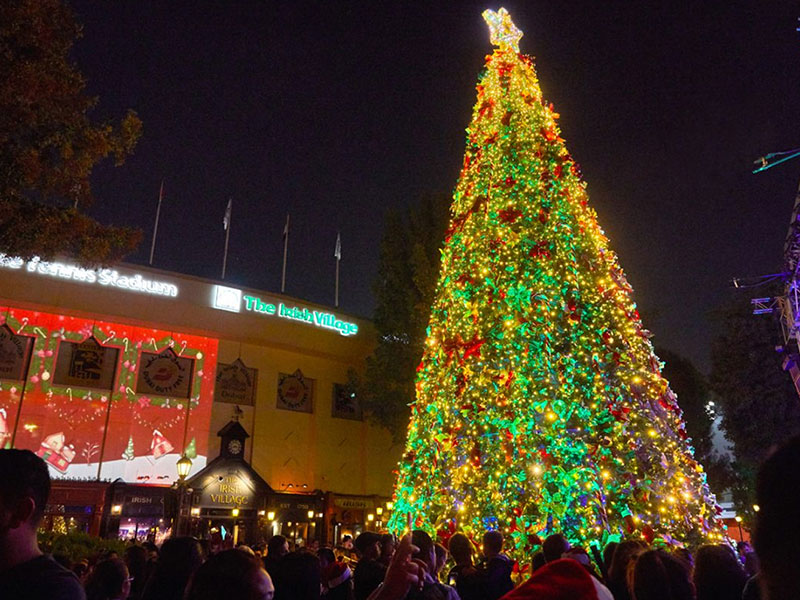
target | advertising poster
[
  {"x": 86, "y": 364},
  {"x": 236, "y": 383},
  {"x": 165, "y": 374},
  {"x": 295, "y": 392},
  {"x": 14, "y": 353}
]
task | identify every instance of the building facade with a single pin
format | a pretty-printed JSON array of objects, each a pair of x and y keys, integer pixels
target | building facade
[{"x": 112, "y": 375}]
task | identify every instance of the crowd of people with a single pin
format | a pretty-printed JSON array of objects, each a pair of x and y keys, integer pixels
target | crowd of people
[{"x": 380, "y": 567}]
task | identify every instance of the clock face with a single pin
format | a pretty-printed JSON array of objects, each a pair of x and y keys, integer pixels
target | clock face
[{"x": 234, "y": 446}]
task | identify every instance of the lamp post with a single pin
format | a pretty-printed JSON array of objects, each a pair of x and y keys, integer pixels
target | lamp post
[
  {"x": 184, "y": 465},
  {"x": 739, "y": 523}
]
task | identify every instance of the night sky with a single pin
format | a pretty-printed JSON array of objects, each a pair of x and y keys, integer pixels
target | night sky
[{"x": 337, "y": 111}]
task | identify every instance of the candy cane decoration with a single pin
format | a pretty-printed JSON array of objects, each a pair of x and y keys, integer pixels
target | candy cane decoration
[
  {"x": 39, "y": 331},
  {"x": 111, "y": 335},
  {"x": 183, "y": 347},
  {"x": 69, "y": 393},
  {"x": 24, "y": 322},
  {"x": 125, "y": 341},
  {"x": 129, "y": 391}
]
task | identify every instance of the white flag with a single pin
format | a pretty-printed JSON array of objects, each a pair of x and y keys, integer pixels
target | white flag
[
  {"x": 338, "y": 252},
  {"x": 226, "y": 220}
]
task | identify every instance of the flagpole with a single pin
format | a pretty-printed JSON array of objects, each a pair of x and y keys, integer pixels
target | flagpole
[
  {"x": 337, "y": 253},
  {"x": 227, "y": 236},
  {"x": 155, "y": 227},
  {"x": 285, "y": 250}
]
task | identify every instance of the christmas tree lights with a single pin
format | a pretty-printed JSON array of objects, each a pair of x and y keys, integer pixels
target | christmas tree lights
[{"x": 540, "y": 403}]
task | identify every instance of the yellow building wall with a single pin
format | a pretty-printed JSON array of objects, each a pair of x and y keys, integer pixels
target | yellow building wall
[
  {"x": 313, "y": 450},
  {"x": 294, "y": 449}
]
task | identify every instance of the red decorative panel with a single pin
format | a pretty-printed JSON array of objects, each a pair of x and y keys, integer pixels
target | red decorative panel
[{"x": 89, "y": 432}]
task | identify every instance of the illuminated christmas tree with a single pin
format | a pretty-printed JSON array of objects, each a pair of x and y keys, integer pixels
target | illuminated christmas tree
[{"x": 540, "y": 404}]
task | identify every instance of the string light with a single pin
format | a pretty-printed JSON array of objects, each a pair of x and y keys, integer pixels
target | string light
[{"x": 540, "y": 404}]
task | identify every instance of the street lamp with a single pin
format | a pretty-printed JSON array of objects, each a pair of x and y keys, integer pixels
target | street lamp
[
  {"x": 739, "y": 523},
  {"x": 184, "y": 465}
]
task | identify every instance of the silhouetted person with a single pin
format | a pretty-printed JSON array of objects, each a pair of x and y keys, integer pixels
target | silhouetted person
[
  {"x": 136, "y": 561},
  {"x": 537, "y": 562},
  {"x": 298, "y": 577},
  {"x": 718, "y": 574},
  {"x": 109, "y": 580},
  {"x": 617, "y": 581},
  {"x": 554, "y": 546},
  {"x": 369, "y": 572},
  {"x": 747, "y": 557},
  {"x": 685, "y": 555},
  {"x": 470, "y": 583},
  {"x": 231, "y": 575},
  {"x": 403, "y": 576},
  {"x": 336, "y": 576},
  {"x": 81, "y": 570},
  {"x": 388, "y": 542},
  {"x": 657, "y": 575},
  {"x": 26, "y": 573},
  {"x": 778, "y": 523},
  {"x": 431, "y": 589},
  {"x": 178, "y": 560},
  {"x": 277, "y": 548},
  {"x": 440, "y": 553},
  {"x": 498, "y": 566},
  {"x": 608, "y": 554},
  {"x": 152, "y": 551},
  {"x": 579, "y": 554},
  {"x": 752, "y": 589},
  {"x": 63, "y": 560}
]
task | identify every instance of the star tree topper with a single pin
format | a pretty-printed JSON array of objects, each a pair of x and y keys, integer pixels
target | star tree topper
[{"x": 502, "y": 31}]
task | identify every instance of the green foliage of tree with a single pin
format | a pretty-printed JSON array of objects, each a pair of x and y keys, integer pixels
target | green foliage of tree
[
  {"x": 404, "y": 288},
  {"x": 48, "y": 142},
  {"x": 77, "y": 546},
  {"x": 694, "y": 394},
  {"x": 759, "y": 405}
]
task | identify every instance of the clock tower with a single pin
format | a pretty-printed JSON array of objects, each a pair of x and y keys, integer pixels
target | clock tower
[{"x": 232, "y": 438}]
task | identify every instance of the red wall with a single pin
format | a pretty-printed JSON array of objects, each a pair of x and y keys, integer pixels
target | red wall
[{"x": 86, "y": 432}]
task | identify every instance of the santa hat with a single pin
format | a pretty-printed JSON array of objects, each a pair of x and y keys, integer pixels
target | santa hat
[
  {"x": 563, "y": 579},
  {"x": 336, "y": 574}
]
